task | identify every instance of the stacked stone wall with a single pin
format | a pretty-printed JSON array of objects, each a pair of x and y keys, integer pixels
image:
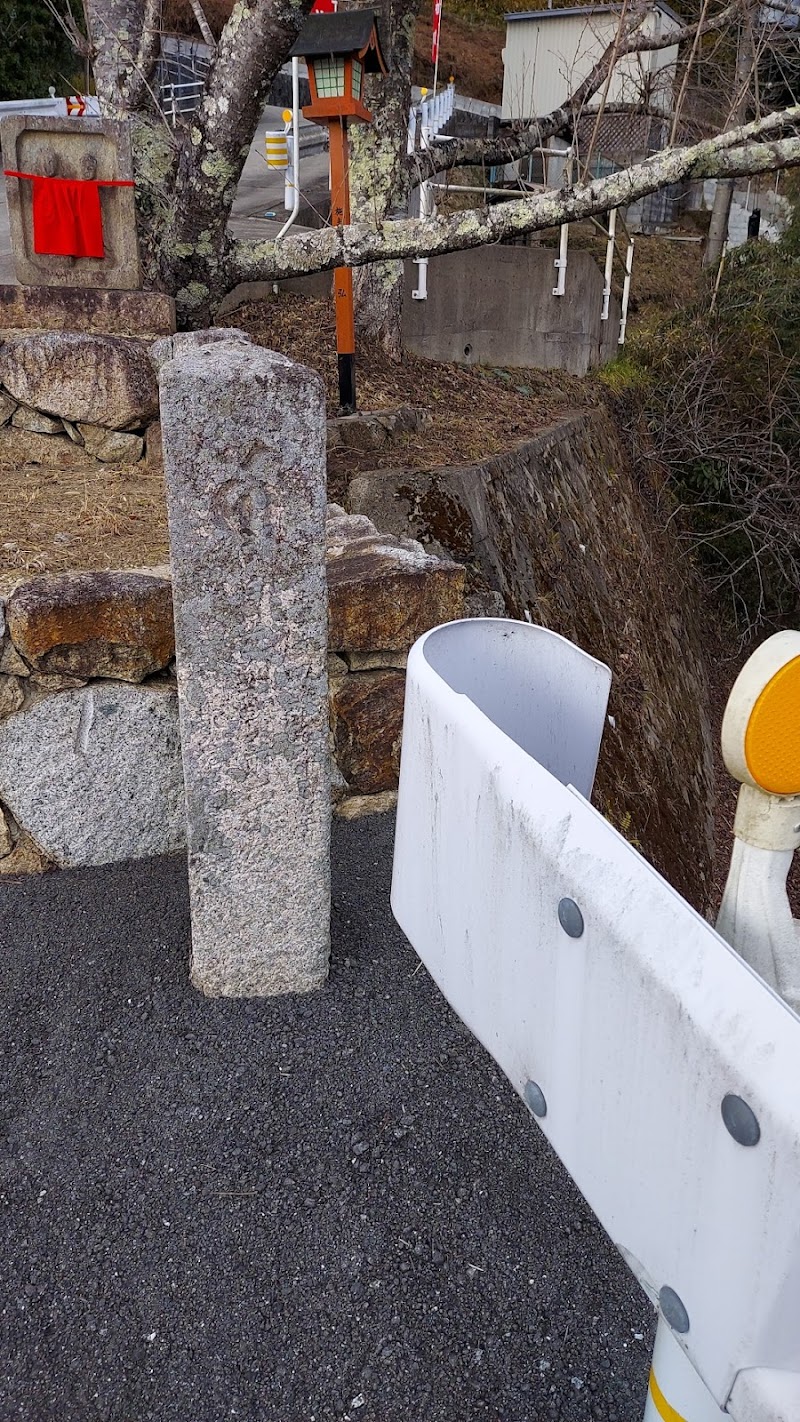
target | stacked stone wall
[{"x": 90, "y": 768}]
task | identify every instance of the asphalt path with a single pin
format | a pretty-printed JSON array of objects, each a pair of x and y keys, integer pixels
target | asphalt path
[{"x": 288, "y": 1210}]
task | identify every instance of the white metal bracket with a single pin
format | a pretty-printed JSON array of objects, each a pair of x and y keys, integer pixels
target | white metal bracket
[{"x": 560, "y": 262}]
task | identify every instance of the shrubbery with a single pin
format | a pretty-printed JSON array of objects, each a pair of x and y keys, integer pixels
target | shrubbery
[
  {"x": 721, "y": 391},
  {"x": 34, "y": 52}
]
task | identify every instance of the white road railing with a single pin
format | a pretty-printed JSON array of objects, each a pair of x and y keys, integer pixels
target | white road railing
[
  {"x": 430, "y": 115},
  {"x": 179, "y": 99}
]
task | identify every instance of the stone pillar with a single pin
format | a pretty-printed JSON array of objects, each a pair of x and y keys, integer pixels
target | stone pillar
[{"x": 244, "y": 460}]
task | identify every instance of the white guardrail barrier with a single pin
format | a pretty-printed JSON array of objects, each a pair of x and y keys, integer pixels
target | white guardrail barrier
[{"x": 664, "y": 1072}]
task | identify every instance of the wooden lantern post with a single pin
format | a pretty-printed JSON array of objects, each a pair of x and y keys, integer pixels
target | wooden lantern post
[{"x": 339, "y": 49}]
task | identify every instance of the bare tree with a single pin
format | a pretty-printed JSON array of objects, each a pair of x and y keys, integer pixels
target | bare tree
[
  {"x": 187, "y": 178},
  {"x": 380, "y": 178},
  {"x": 743, "y": 85}
]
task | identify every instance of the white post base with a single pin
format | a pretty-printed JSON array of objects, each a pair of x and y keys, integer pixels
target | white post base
[
  {"x": 755, "y": 916},
  {"x": 675, "y": 1392}
]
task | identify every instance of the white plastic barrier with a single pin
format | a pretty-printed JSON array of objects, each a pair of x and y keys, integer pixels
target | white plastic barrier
[{"x": 663, "y": 1071}]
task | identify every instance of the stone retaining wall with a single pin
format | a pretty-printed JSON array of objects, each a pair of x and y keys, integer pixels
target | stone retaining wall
[
  {"x": 563, "y": 528},
  {"x": 90, "y": 768},
  {"x": 77, "y": 400}
]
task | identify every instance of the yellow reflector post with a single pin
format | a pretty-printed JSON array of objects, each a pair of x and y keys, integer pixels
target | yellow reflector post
[
  {"x": 772, "y": 738},
  {"x": 277, "y": 149},
  {"x": 761, "y": 725}
]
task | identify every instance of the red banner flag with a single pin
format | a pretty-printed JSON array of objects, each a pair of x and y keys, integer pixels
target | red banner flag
[{"x": 437, "y": 25}]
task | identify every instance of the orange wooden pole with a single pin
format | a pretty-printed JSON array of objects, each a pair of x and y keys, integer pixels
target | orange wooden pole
[{"x": 343, "y": 276}]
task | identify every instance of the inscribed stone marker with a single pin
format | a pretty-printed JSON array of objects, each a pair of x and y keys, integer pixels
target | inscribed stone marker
[{"x": 244, "y": 458}]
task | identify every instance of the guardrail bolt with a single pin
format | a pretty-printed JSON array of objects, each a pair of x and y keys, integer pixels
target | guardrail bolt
[
  {"x": 741, "y": 1121},
  {"x": 570, "y": 918},
  {"x": 534, "y": 1099},
  {"x": 673, "y": 1309}
]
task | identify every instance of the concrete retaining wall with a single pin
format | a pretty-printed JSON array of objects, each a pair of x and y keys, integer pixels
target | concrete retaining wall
[{"x": 495, "y": 306}]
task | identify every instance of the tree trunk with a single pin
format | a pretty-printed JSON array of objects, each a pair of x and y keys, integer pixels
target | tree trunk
[
  {"x": 124, "y": 40},
  {"x": 379, "y": 177},
  {"x": 718, "y": 227},
  {"x": 186, "y": 178},
  {"x": 723, "y": 196}
]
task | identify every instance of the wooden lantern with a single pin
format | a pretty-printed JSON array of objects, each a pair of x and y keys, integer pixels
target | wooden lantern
[{"x": 339, "y": 49}]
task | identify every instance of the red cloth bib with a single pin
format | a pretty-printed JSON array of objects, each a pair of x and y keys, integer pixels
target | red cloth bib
[{"x": 67, "y": 221}]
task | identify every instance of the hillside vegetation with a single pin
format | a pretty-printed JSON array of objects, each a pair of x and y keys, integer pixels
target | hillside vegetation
[
  {"x": 718, "y": 383},
  {"x": 472, "y": 40}
]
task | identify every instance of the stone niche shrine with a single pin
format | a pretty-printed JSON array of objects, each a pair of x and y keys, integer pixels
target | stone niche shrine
[{"x": 71, "y": 208}]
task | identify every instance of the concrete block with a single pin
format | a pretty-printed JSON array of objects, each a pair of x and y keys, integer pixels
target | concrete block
[{"x": 495, "y": 306}]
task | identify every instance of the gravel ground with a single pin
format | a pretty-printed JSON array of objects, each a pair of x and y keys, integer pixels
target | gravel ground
[{"x": 330, "y": 1206}]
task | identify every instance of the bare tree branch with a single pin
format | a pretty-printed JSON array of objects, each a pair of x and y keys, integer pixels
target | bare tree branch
[
  {"x": 520, "y": 143},
  {"x": 70, "y": 27},
  {"x": 202, "y": 24},
  {"x": 124, "y": 40},
  {"x": 735, "y": 153}
]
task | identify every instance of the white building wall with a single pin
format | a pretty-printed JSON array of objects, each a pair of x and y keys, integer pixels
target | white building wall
[{"x": 548, "y": 55}]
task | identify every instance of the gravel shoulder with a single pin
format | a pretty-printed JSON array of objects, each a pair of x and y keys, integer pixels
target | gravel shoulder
[{"x": 306, "y": 1208}]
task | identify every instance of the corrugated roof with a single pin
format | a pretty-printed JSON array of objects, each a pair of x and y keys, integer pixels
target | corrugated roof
[{"x": 584, "y": 10}]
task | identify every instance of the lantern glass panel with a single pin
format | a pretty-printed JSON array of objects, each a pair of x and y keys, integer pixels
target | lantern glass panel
[
  {"x": 329, "y": 74},
  {"x": 358, "y": 75}
]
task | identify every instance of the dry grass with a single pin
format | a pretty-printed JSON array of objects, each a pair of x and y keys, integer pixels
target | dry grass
[
  {"x": 57, "y": 519},
  {"x": 474, "y": 410},
  {"x": 115, "y": 516}
]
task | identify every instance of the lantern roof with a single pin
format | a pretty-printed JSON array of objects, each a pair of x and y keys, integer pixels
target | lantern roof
[{"x": 345, "y": 32}]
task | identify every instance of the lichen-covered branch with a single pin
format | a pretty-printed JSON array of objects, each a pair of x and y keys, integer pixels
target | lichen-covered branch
[{"x": 739, "y": 152}]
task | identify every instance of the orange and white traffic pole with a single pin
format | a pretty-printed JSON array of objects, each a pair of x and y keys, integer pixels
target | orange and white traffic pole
[{"x": 343, "y": 276}]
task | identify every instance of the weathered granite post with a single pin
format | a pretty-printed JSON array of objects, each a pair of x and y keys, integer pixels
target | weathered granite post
[{"x": 244, "y": 459}]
